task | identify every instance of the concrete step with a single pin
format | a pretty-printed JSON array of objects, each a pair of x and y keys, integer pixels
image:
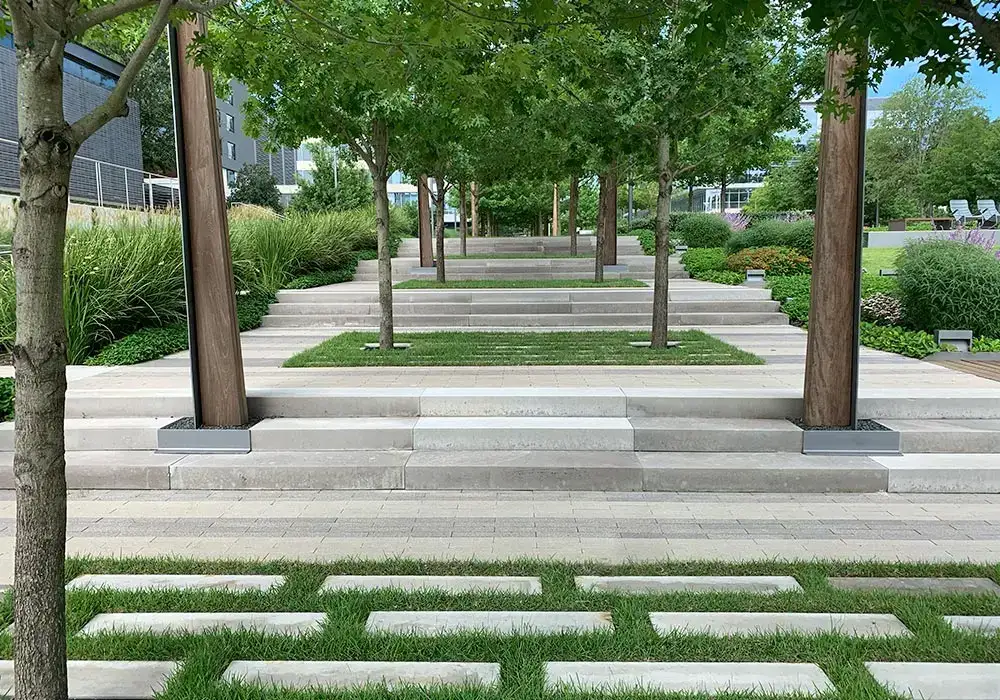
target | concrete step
[
  {"x": 88, "y": 434},
  {"x": 625, "y": 295},
  {"x": 506, "y": 433},
  {"x": 311, "y": 434},
  {"x": 716, "y": 435},
  {"x": 949, "y": 436},
  {"x": 546, "y": 308},
  {"x": 610, "y": 320}
]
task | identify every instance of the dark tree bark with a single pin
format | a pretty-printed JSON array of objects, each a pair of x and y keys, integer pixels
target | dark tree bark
[
  {"x": 574, "y": 203},
  {"x": 690, "y": 197},
  {"x": 830, "y": 346},
  {"x": 462, "y": 221},
  {"x": 599, "y": 234},
  {"x": 380, "y": 178},
  {"x": 723, "y": 187},
  {"x": 611, "y": 215},
  {"x": 440, "y": 189},
  {"x": 474, "y": 205},
  {"x": 424, "y": 222},
  {"x": 661, "y": 272}
]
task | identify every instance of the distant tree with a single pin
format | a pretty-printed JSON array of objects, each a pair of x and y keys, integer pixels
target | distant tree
[
  {"x": 346, "y": 186},
  {"x": 957, "y": 169},
  {"x": 255, "y": 185}
]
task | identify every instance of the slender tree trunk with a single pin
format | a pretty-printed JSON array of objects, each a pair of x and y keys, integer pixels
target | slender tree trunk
[
  {"x": 661, "y": 272},
  {"x": 474, "y": 203},
  {"x": 602, "y": 203},
  {"x": 611, "y": 215},
  {"x": 380, "y": 177},
  {"x": 690, "y": 198},
  {"x": 439, "y": 194},
  {"x": 462, "y": 222},
  {"x": 574, "y": 203},
  {"x": 47, "y": 149},
  {"x": 722, "y": 194},
  {"x": 555, "y": 209},
  {"x": 424, "y": 222},
  {"x": 831, "y": 340}
]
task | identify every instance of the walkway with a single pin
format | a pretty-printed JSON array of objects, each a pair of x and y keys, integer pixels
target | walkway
[{"x": 607, "y": 527}]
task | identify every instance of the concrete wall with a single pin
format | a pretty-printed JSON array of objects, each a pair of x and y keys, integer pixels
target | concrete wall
[
  {"x": 897, "y": 239},
  {"x": 117, "y": 144}
]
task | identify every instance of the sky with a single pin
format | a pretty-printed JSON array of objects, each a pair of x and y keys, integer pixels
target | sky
[{"x": 978, "y": 77}]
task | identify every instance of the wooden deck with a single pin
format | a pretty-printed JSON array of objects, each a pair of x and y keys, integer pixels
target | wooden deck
[{"x": 988, "y": 369}]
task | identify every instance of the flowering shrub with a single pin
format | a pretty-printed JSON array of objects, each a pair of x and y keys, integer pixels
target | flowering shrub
[
  {"x": 882, "y": 309},
  {"x": 737, "y": 221},
  {"x": 777, "y": 261},
  {"x": 981, "y": 238}
]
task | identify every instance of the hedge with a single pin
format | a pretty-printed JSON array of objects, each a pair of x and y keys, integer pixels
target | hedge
[{"x": 702, "y": 231}]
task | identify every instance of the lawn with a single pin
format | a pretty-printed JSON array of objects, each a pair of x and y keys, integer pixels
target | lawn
[
  {"x": 521, "y": 657},
  {"x": 471, "y": 348},
  {"x": 875, "y": 259},
  {"x": 516, "y": 284}
]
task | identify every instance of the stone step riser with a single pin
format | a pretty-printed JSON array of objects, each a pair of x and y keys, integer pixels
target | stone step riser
[
  {"x": 404, "y": 275},
  {"x": 507, "y": 321},
  {"x": 521, "y": 308},
  {"x": 638, "y": 295}
]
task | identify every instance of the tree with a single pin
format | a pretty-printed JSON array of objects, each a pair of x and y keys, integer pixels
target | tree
[
  {"x": 48, "y": 143},
  {"x": 956, "y": 167},
  {"x": 790, "y": 186},
  {"x": 256, "y": 185},
  {"x": 333, "y": 187}
]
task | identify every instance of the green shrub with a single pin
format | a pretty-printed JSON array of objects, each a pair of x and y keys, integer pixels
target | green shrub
[
  {"x": 915, "y": 344},
  {"x": 985, "y": 345},
  {"x": 647, "y": 239},
  {"x": 344, "y": 273},
  {"x": 771, "y": 233},
  {"x": 702, "y": 230},
  {"x": 793, "y": 293},
  {"x": 6, "y": 398},
  {"x": 874, "y": 284},
  {"x": 722, "y": 277},
  {"x": 701, "y": 260},
  {"x": 947, "y": 284},
  {"x": 781, "y": 262}
]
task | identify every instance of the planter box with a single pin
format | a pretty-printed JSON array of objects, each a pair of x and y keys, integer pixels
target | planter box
[
  {"x": 824, "y": 441},
  {"x": 181, "y": 437}
]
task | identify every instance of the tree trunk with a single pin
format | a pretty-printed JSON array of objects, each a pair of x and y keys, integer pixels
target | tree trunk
[
  {"x": 555, "y": 209},
  {"x": 380, "y": 178},
  {"x": 439, "y": 194},
  {"x": 39, "y": 353},
  {"x": 424, "y": 222},
  {"x": 462, "y": 222},
  {"x": 690, "y": 198},
  {"x": 540, "y": 229},
  {"x": 831, "y": 343},
  {"x": 661, "y": 272},
  {"x": 474, "y": 203},
  {"x": 611, "y": 215},
  {"x": 574, "y": 203},
  {"x": 722, "y": 195},
  {"x": 602, "y": 202}
]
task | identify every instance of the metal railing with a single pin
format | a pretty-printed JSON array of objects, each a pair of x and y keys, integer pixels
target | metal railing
[{"x": 99, "y": 183}]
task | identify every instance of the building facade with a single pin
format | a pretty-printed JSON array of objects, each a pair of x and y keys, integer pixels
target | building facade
[
  {"x": 239, "y": 149},
  {"x": 108, "y": 167}
]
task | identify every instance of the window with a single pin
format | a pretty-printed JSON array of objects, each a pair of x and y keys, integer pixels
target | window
[
  {"x": 229, "y": 98},
  {"x": 230, "y": 124},
  {"x": 218, "y": 117},
  {"x": 230, "y": 150},
  {"x": 230, "y": 176}
]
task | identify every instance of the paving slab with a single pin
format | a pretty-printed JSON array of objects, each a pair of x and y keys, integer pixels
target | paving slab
[
  {"x": 355, "y": 674},
  {"x": 688, "y": 584},
  {"x": 446, "y": 584},
  {"x": 199, "y": 622},
  {"x": 313, "y": 434},
  {"x": 707, "y": 678},
  {"x": 916, "y": 585},
  {"x": 943, "y": 473},
  {"x": 526, "y": 401},
  {"x": 939, "y": 681},
  {"x": 728, "y": 624},
  {"x": 679, "y": 434},
  {"x": 105, "y": 680},
  {"x": 106, "y": 469},
  {"x": 986, "y": 624},
  {"x": 187, "y": 582},
  {"x": 523, "y": 433},
  {"x": 429, "y": 623}
]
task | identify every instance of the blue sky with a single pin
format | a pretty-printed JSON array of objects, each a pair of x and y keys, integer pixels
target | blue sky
[{"x": 978, "y": 77}]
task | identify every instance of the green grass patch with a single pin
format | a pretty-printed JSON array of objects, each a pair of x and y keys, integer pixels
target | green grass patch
[
  {"x": 464, "y": 349},
  {"x": 875, "y": 259},
  {"x": 205, "y": 656},
  {"x": 516, "y": 284}
]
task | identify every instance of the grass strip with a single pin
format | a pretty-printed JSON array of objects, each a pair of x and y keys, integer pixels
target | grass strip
[
  {"x": 521, "y": 657},
  {"x": 516, "y": 284},
  {"x": 464, "y": 349}
]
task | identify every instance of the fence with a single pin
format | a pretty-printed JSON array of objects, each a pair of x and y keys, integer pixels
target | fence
[{"x": 100, "y": 183}]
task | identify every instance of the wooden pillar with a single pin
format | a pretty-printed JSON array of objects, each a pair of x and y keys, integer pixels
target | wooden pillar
[
  {"x": 831, "y": 351},
  {"x": 610, "y": 192},
  {"x": 216, "y": 356},
  {"x": 474, "y": 203},
  {"x": 555, "y": 209},
  {"x": 424, "y": 222}
]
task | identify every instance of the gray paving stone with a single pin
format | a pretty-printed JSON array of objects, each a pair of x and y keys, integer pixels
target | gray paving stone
[
  {"x": 727, "y": 624},
  {"x": 986, "y": 624},
  {"x": 497, "y": 622},
  {"x": 447, "y": 584},
  {"x": 105, "y": 680},
  {"x": 355, "y": 674},
  {"x": 198, "y": 622},
  {"x": 688, "y": 584},
  {"x": 196, "y": 582},
  {"x": 708, "y": 678},
  {"x": 939, "y": 681},
  {"x": 522, "y": 433},
  {"x": 916, "y": 585}
]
